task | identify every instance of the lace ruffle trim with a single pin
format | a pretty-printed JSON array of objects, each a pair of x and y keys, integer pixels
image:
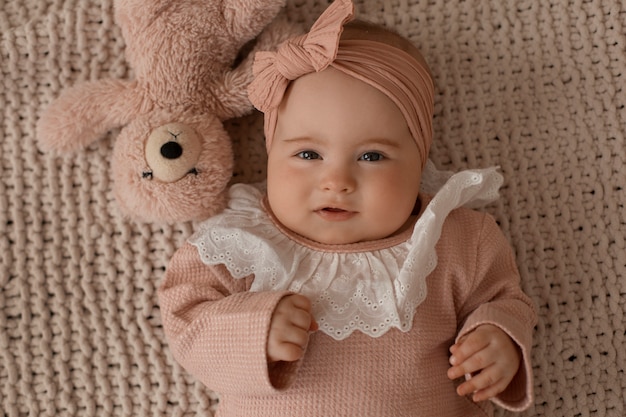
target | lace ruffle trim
[{"x": 369, "y": 291}]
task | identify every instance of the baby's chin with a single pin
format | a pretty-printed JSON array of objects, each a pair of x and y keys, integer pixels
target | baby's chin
[
  {"x": 346, "y": 237},
  {"x": 352, "y": 235}
]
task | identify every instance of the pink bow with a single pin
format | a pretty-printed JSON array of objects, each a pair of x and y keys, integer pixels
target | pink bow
[{"x": 311, "y": 52}]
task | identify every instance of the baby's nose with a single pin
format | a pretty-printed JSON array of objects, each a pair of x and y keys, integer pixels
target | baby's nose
[{"x": 339, "y": 179}]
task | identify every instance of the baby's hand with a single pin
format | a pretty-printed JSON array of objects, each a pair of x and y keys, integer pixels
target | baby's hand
[
  {"x": 490, "y": 356},
  {"x": 289, "y": 331}
]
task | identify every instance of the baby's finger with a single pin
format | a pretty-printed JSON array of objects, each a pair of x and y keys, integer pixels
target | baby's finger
[
  {"x": 490, "y": 392},
  {"x": 467, "y": 347},
  {"x": 304, "y": 318},
  {"x": 300, "y": 301},
  {"x": 295, "y": 310},
  {"x": 296, "y": 338},
  {"x": 301, "y": 319},
  {"x": 287, "y": 344},
  {"x": 485, "y": 385},
  {"x": 475, "y": 363},
  {"x": 283, "y": 351}
]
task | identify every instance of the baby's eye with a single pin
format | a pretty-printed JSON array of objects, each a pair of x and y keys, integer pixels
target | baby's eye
[
  {"x": 372, "y": 156},
  {"x": 309, "y": 155}
]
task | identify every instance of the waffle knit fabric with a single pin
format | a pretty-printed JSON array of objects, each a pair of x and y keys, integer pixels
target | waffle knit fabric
[
  {"x": 218, "y": 329},
  {"x": 534, "y": 86}
]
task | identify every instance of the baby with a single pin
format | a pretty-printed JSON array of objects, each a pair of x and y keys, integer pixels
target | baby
[{"x": 339, "y": 287}]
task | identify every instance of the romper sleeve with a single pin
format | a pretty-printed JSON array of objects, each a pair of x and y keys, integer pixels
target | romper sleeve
[
  {"x": 497, "y": 298},
  {"x": 216, "y": 329}
]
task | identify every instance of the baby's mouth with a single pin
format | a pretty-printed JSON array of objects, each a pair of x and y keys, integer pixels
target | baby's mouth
[
  {"x": 333, "y": 210},
  {"x": 335, "y": 213}
]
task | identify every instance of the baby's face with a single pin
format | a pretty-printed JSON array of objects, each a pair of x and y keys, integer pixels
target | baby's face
[{"x": 343, "y": 166}]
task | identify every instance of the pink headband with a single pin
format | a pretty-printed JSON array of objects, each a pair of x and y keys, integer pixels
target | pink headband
[{"x": 392, "y": 71}]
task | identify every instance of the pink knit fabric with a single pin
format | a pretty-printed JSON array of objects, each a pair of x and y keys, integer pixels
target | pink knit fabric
[{"x": 218, "y": 331}]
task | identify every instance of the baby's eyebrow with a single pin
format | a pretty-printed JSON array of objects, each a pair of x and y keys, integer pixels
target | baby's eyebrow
[
  {"x": 300, "y": 139},
  {"x": 367, "y": 143},
  {"x": 381, "y": 141}
]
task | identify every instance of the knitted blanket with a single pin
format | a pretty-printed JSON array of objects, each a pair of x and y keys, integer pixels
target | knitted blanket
[{"x": 537, "y": 87}]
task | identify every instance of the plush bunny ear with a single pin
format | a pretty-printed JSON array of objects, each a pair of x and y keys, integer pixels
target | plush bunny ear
[{"x": 84, "y": 113}]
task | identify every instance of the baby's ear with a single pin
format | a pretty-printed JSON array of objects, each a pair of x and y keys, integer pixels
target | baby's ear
[{"x": 84, "y": 113}]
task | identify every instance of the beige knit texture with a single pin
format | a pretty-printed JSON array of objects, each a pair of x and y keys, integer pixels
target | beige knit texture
[{"x": 535, "y": 86}]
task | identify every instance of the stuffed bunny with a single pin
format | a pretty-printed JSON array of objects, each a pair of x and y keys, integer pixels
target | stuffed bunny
[{"x": 173, "y": 159}]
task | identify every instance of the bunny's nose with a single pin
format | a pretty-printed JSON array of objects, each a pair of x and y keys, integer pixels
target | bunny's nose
[{"x": 171, "y": 150}]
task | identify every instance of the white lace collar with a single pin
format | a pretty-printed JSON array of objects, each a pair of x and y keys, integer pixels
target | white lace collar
[{"x": 353, "y": 288}]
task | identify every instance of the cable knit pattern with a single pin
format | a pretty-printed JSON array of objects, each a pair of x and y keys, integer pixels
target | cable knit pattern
[{"x": 534, "y": 86}]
